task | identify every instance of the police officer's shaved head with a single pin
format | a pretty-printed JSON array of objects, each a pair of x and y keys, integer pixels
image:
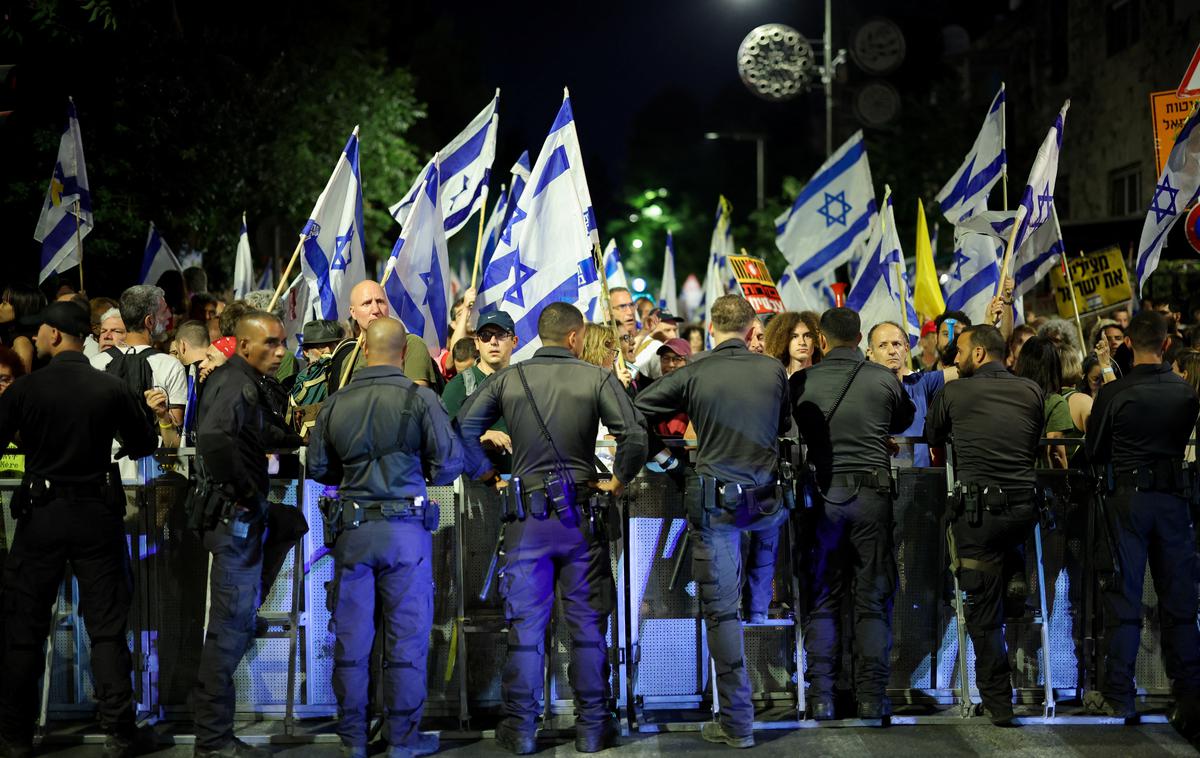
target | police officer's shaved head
[
  {"x": 260, "y": 341},
  {"x": 732, "y": 314},
  {"x": 1146, "y": 332},
  {"x": 385, "y": 343},
  {"x": 252, "y": 322},
  {"x": 841, "y": 327},
  {"x": 557, "y": 321}
]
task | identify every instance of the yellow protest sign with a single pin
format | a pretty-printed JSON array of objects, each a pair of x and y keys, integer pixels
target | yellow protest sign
[
  {"x": 1168, "y": 112},
  {"x": 757, "y": 285},
  {"x": 1100, "y": 280}
]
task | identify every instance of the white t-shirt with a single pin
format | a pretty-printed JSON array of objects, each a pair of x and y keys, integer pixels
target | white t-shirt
[
  {"x": 646, "y": 361},
  {"x": 168, "y": 373}
]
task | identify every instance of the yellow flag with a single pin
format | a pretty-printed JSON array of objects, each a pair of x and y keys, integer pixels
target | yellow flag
[{"x": 927, "y": 293}]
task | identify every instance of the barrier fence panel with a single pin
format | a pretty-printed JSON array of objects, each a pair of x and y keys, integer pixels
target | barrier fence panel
[{"x": 656, "y": 636}]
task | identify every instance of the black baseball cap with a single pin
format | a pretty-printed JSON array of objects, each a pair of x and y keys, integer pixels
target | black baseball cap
[
  {"x": 666, "y": 315},
  {"x": 496, "y": 318},
  {"x": 67, "y": 317}
]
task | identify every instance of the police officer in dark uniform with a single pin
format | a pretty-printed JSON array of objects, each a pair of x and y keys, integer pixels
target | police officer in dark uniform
[
  {"x": 553, "y": 403},
  {"x": 1138, "y": 429},
  {"x": 67, "y": 416},
  {"x": 738, "y": 401},
  {"x": 381, "y": 437},
  {"x": 236, "y": 430},
  {"x": 845, "y": 408},
  {"x": 994, "y": 422}
]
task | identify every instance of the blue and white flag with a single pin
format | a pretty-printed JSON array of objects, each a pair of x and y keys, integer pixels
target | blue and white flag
[
  {"x": 417, "y": 278},
  {"x": 333, "y": 260},
  {"x": 545, "y": 252},
  {"x": 667, "y": 291},
  {"x": 1037, "y": 201},
  {"x": 492, "y": 229},
  {"x": 243, "y": 265},
  {"x": 67, "y": 211},
  {"x": 1032, "y": 260},
  {"x": 158, "y": 258},
  {"x": 974, "y": 276},
  {"x": 267, "y": 280},
  {"x": 466, "y": 166},
  {"x": 614, "y": 272},
  {"x": 880, "y": 292},
  {"x": 967, "y": 191},
  {"x": 520, "y": 177},
  {"x": 815, "y": 295},
  {"x": 1177, "y": 188},
  {"x": 830, "y": 218},
  {"x": 720, "y": 247}
]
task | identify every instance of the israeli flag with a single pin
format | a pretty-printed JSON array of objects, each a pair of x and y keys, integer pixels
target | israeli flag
[
  {"x": 417, "y": 277},
  {"x": 720, "y": 247},
  {"x": 831, "y": 217},
  {"x": 243, "y": 265},
  {"x": 267, "y": 280},
  {"x": 1037, "y": 201},
  {"x": 975, "y": 274},
  {"x": 333, "y": 259},
  {"x": 67, "y": 211},
  {"x": 879, "y": 292},
  {"x": 967, "y": 191},
  {"x": 814, "y": 295},
  {"x": 1177, "y": 188},
  {"x": 491, "y": 230},
  {"x": 667, "y": 297},
  {"x": 157, "y": 259},
  {"x": 546, "y": 250},
  {"x": 614, "y": 272},
  {"x": 1032, "y": 260},
  {"x": 465, "y": 168}
]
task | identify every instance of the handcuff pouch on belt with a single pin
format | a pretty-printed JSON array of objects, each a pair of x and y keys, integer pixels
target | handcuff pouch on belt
[
  {"x": 974, "y": 499},
  {"x": 704, "y": 496},
  {"x": 32, "y": 492}
]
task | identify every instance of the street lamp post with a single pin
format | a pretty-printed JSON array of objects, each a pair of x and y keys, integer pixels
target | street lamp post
[{"x": 760, "y": 159}]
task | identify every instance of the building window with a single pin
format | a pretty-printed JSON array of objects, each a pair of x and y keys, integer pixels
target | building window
[
  {"x": 1125, "y": 191},
  {"x": 1121, "y": 27}
]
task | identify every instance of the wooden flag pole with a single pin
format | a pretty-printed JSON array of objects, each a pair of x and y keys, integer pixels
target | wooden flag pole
[
  {"x": 283, "y": 279},
  {"x": 1074, "y": 302},
  {"x": 479, "y": 237}
]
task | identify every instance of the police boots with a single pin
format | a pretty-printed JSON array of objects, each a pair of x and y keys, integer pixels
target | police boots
[
  {"x": 594, "y": 739},
  {"x": 235, "y": 749},
  {"x": 515, "y": 742},
  {"x": 714, "y": 731}
]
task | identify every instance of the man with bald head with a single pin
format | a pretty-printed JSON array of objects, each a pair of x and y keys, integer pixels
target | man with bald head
[
  {"x": 381, "y": 439},
  {"x": 368, "y": 303},
  {"x": 229, "y": 505}
]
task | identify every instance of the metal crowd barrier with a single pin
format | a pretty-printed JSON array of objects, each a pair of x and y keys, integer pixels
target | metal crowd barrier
[{"x": 661, "y": 672}]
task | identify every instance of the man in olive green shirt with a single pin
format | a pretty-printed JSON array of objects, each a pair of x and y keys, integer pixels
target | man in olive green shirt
[
  {"x": 495, "y": 338},
  {"x": 368, "y": 302}
]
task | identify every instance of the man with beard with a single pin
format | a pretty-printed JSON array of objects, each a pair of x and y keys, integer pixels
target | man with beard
[
  {"x": 950, "y": 324},
  {"x": 995, "y": 506}
]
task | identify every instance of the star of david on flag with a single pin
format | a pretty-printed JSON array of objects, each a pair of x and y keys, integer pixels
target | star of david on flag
[
  {"x": 332, "y": 240},
  {"x": 546, "y": 251},
  {"x": 828, "y": 222},
  {"x": 1180, "y": 181},
  {"x": 417, "y": 277},
  {"x": 466, "y": 166}
]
